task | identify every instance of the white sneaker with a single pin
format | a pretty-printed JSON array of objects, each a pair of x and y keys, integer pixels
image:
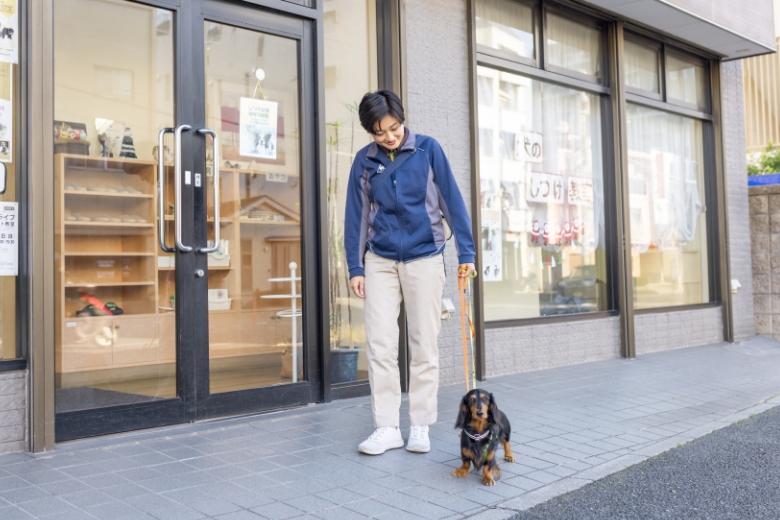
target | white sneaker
[
  {"x": 384, "y": 438},
  {"x": 418, "y": 440}
]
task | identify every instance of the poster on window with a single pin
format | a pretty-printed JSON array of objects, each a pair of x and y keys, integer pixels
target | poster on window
[
  {"x": 9, "y": 243},
  {"x": 491, "y": 243},
  {"x": 6, "y": 113},
  {"x": 257, "y": 128},
  {"x": 9, "y": 31},
  {"x": 580, "y": 191},
  {"x": 528, "y": 147},
  {"x": 544, "y": 187}
]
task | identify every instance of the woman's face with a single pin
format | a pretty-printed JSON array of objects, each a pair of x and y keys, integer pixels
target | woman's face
[{"x": 389, "y": 132}]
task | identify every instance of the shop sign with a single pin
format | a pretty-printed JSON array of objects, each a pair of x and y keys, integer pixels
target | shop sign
[
  {"x": 544, "y": 187},
  {"x": 580, "y": 191},
  {"x": 9, "y": 239},
  {"x": 257, "y": 128},
  {"x": 528, "y": 147},
  {"x": 9, "y": 31}
]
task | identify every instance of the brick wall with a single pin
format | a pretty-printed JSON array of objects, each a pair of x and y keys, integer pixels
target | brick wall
[
  {"x": 436, "y": 50},
  {"x": 673, "y": 330},
  {"x": 765, "y": 232},
  {"x": 737, "y": 199},
  {"x": 535, "y": 347},
  {"x": 13, "y": 411}
]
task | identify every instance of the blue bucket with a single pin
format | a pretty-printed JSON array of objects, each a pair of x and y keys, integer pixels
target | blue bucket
[{"x": 764, "y": 180}]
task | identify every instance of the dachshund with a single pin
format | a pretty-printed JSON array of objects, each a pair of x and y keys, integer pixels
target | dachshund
[{"x": 484, "y": 426}]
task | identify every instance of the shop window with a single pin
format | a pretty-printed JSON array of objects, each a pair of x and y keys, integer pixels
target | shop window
[
  {"x": 667, "y": 202},
  {"x": 350, "y": 48},
  {"x": 686, "y": 81},
  {"x": 642, "y": 66},
  {"x": 574, "y": 46},
  {"x": 506, "y": 26},
  {"x": 541, "y": 199}
]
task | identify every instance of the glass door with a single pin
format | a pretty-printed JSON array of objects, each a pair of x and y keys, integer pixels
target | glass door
[
  {"x": 185, "y": 200},
  {"x": 258, "y": 101}
]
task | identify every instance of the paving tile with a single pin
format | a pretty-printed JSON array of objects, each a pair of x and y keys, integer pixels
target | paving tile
[
  {"x": 104, "y": 480},
  {"x": 88, "y": 498},
  {"x": 151, "y": 502},
  {"x": 14, "y": 513},
  {"x": 214, "y": 506},
  {"x": 112, "y": 510},
  {"x": 340, "y": 513},
  {"x": 277, "y": 511},
  {"x": 369, "y": 507},
  {"x": 178, "y": 512},
  {"x": 240, "y": 515},
  {"x": 249, "y": 500},
  {"x": 20, "y": 495}
]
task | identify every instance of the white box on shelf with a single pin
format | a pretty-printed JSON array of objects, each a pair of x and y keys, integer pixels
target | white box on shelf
[
  {"x": 216, "y": 295},
  {"x": 166, "y": 261},
  {"x": 219, "y": 262},
  {"x": 220, "y": 305}
]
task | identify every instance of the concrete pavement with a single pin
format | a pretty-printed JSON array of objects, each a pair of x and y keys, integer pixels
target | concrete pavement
[{"x": 571, "y": 426}]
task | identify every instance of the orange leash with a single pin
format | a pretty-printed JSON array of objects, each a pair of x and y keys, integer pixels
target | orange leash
[{"x": 461, "y": 293}]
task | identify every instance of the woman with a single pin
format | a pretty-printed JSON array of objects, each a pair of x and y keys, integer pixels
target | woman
[{"x": 400, "y": 188}]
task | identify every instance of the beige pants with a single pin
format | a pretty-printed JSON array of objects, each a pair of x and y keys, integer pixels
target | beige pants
[{"x": 419, "y": 284}]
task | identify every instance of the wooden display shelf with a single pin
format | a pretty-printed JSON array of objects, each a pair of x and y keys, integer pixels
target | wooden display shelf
[
  {"x": 271, "y": 222},
  {"x": 106, "y": 253},
  {"x": 108, "y": 194},
  {"x": 70, "y": 223},
  {"x": 108, "y": 284},
  {"x": 222, "y": 221},
  {"x": 215, "y": 268},
  {"x": 253, "y": 172},
  {"x": 70, "y": 158}
]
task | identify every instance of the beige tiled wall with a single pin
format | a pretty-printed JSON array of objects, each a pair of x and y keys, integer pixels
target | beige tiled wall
[{"x": 13, "y": 411}]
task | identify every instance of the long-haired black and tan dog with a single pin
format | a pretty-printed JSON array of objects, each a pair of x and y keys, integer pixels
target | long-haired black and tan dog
[{"x": 484, "y": 426}]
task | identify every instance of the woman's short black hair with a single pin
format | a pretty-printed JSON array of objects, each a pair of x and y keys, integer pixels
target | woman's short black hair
[{"x": 376, "y": 105}]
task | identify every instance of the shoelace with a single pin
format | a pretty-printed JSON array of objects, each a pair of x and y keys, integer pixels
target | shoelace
[
  {"x": 419, "y": 432},
  {"x": 380, "y": 432}
]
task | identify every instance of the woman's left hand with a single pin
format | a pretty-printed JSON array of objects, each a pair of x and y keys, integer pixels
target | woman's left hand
[{"x": 465, "y": 270}]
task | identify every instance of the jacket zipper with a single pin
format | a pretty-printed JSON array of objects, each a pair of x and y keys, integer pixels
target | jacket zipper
[{"x": 398, "y": 218}]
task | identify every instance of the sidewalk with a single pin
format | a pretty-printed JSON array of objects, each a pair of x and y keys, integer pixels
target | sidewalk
[{"x": 571, "y": 425}]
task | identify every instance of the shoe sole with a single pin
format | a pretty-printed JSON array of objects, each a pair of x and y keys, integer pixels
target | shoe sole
[
  {"x": 417, "y": 450},
  {"x": 363, "y": 450}
]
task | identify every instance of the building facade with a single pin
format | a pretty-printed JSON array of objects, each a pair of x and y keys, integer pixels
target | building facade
[{"x": 180, "y": 169}]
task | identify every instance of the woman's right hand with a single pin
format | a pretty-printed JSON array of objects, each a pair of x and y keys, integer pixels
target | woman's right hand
[{"x": 357, "y": 283}]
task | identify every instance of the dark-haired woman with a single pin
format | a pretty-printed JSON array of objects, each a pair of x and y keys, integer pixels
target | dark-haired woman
[{"x": 400, "y": 188}]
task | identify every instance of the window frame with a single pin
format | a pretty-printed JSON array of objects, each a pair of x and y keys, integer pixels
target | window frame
[
  {"x": 684, "y": 56},
  {"x": 600, "y": 86},
  {"x": 614, "y": 31},
  {"x": 508, "y": 56}
]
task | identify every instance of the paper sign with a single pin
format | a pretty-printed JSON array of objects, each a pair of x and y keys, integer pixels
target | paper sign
[
  {"x": 9, "y": 31},
  {"x": 276, "y": 177},
  {"x": 9, "y": 238},
  {"x": 492, "y": 258},
  {"x": 528, "y": 147},
  {"x": 580, "y": 192},
  {"x": 257, "y": 128},
  {"x": 6, "y": 112},
  {"x": 544, "y": 187}
]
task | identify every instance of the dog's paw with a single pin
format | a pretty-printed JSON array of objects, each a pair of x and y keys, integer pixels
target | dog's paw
[
  {"x": 488, "y": 481},
  {"x": 460, "y": 472},
  {"x": 510, "y": 458}
]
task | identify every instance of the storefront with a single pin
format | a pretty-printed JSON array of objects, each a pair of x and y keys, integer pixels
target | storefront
[{"x": 180, "y": 169}]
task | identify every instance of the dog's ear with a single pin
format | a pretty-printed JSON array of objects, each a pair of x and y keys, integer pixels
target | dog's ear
[
  {"x": 464, "y": 414},
  {"x": 494, "y": 414}
]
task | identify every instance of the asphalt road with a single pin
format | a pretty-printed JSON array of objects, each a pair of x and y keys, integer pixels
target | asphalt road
[{"x": 732, "y": 473}]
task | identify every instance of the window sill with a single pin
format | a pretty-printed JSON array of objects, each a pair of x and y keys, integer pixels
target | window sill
[
  {"x": 564, "y": 318},
  {"x": 12, "y": 365}
]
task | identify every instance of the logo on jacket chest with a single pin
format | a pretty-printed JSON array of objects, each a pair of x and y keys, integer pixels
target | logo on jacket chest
[{"x": 381, "y": 168}]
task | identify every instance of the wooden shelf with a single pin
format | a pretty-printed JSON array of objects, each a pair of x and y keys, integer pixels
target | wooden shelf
[
  {"x": 222, "y": 221},
  {"x": 271, "y": 222},
  {"x": 252, "y": 172},
  {"x": 120, "y": 253},
  {"x": 108, "y": 284},
  {"x": 215, "y": 268},
  {"x": 108, "y": 194},
  {"x": 70, "y": 223}
]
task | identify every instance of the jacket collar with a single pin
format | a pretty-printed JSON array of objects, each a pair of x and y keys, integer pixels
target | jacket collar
[{"x": 410, "y": 141}]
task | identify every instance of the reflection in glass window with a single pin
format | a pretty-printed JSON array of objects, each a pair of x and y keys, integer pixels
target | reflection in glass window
[
  {"x": 350, "y": 52},
  {"x": 573, "y": 45},
  {"x": 542, "y": 204},
  {"x": 686, "y": 81},
  {"x": 507, "y": 26},
  {"x": 642, "y": 66},
  {"x": 667, "y": 205}
]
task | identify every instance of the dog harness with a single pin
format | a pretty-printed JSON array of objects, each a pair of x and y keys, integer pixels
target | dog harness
[{"x": 477, "y": 437}]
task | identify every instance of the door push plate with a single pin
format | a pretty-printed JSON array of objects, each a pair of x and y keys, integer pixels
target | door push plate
[
  {"x": 187, "y": 177},
  {"x": 197, "y": 180}
]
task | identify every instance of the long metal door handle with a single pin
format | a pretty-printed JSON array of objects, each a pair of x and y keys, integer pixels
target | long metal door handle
[
  {"x": 215, "y": 156},
  {"x": 177, "y": 187},
  {"x": 161, "y": 189}
]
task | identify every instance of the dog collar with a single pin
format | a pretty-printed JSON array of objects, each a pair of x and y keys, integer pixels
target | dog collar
[{"x": 477, "y": 437}]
